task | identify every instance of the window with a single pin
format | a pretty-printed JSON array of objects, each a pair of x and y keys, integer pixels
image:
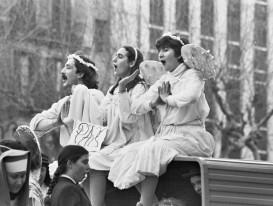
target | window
[
  {"x": 47, "y": 82},
  {"x": 260, "y": 100},
  {"x": 207, "y": 24},
  {"x": 233, "y": 95},
  {"x": 61, "y": 19},
  {"x": 25, "y": 64},
  {"x": 182, "y": 15},
  {"x": 207, "y": 43},
  {"x": 233, "y": 18},
  {"x": 22, "y": 18},
  {"x": 154, "y": 35},
  {"x": 207, "y": 18},
  {"x": 53, "y": 73},
  {"x": 260, "y": 78},
  {"x": 156, "y": 25},
  {"x": 156, "y": 12},
  {"x": 56, "y": 19},
  {"x": 260, "y": 59},
  {"x": 260, "y": 23},
  {"x": 233, "y": 54},
  {"x": 101, "y": 37}
]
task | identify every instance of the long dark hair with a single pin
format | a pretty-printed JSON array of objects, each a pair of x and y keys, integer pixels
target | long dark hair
[
  {"x": 69, "y": 152},
  {"x": 131, "y": 54},
  {"x": 90, "y": 76},
  {"x": 167, "y": 41}
]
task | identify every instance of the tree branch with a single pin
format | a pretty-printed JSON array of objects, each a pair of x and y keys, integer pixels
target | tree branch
[
  {"x": 265, "y": 119},
  {"x": 221, "y": 102}
]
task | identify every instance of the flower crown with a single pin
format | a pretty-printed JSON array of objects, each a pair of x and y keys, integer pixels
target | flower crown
[
  {"x": 169, "y": 34},
  {"x": 79, "y": 59}
]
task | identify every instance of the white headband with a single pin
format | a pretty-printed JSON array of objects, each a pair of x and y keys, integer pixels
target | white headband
[
  {"x": 169, "y": 34},
  {"x": 16, "y": 166},
  {"x": 135, "y": 54},
  {"x": 77, "y": 57}
]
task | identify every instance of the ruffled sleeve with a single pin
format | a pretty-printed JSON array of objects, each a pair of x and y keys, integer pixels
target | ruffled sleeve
[
  {"x": 142, "y": 104},
  {"x": 125, "y": 102},
  {"x": 84, "y": 107},
  {"x": 47, "y": 115},
  {"x": 191, "y": 89}
]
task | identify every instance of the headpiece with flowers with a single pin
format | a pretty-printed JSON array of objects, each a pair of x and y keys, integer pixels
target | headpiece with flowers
[
  {"x": 169, "y": 34},
  {"x": 79, "y": 59}
]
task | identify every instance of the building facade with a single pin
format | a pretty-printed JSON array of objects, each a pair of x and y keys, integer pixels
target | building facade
[{"x": 237, "y": 32}]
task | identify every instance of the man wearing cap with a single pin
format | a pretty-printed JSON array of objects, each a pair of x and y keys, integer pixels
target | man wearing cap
[
  {"x": 195, "y": 179},
  {"x": 14, "y": 177}
]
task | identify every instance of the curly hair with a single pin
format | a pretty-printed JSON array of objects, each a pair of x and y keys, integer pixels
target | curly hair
[{"x": 90, "y": 76}]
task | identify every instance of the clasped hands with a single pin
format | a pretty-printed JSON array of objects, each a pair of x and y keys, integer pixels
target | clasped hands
[
  {"x": 63, "y": 118},
  {"x": 163, "y": 91}
]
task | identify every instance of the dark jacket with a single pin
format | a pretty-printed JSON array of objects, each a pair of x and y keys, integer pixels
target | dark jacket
[{"x": 66, "y": 193}]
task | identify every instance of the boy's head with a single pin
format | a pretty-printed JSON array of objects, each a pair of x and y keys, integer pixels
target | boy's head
[
  {"x": 195, "y": 178},
  {"x": 196, "y": 183}
]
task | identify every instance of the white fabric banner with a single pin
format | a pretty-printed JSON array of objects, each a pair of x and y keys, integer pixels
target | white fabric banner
[{"x": 88, "y": 135}]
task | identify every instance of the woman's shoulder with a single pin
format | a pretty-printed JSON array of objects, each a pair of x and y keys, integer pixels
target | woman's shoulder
[
  {"x": 96, "y": 92},
  {"x": 80, "y": 88},
  {"x": 141, "y": 84},
  {"x": 64, "y": 185},
  {"x": 139, "y": 87}
]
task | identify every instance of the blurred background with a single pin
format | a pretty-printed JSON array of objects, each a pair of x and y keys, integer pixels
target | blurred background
[{"x": 37, "y": 35}]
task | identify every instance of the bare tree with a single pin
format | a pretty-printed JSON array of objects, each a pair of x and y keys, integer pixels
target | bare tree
[
  {"x": 35, "y": 38},
  {"x": 239, "y": 90}
]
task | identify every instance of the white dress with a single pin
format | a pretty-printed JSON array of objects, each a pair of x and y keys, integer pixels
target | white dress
[
  {"x": 181, "y": 132},
  {"x": 84, "y": 106},
  {"x": 124, "y": 127}
]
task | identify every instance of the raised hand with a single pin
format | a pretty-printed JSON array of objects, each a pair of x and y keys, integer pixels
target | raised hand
[{"x": 123, "y": 83}]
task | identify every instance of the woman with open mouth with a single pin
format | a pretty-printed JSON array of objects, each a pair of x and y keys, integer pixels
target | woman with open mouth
[
  {"x": 179, "y": 96},
  {"x": 123, "y": 127}
]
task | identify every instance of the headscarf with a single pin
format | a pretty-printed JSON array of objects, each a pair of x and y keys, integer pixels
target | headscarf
[
  {"x": 28, "y": 138},
  {"x": 22, "y": 195}
]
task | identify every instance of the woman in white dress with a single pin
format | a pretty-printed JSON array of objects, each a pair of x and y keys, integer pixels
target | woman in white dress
[
  {"x": 179, "y": 95},
  {"x": 123, "y": 127}
]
